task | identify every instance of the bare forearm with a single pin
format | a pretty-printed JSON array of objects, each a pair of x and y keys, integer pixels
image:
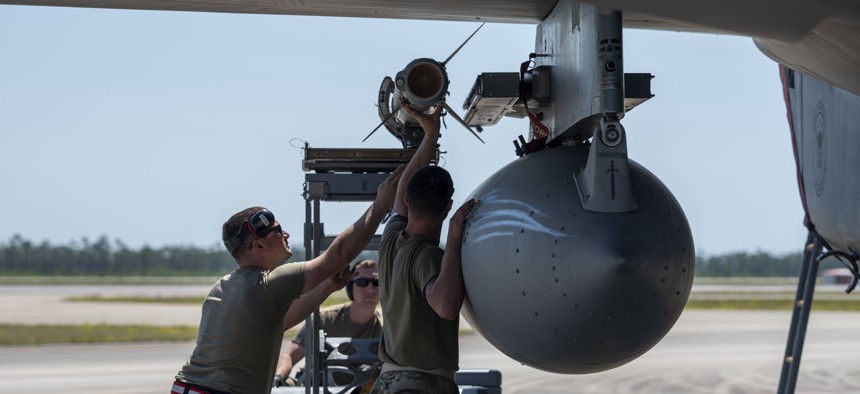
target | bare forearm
[
  {"x": 352, "y": 241},
  {"x": 446, "y": 292},
  {"x": 285, "y": 365},
  {"x": 422, "y": 155},
  {"x": 346, "y": 246},
  {"x": 419, "y": 160},
  {"x": 288, "y": 358},
  {"x": 307, "y": 303}
]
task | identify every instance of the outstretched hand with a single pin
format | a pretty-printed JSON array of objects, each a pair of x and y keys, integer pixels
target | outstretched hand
[
  {"x": 340, "y": 279},
  {"x": 430, "y": 123},
  {"x": 388, "y": 189},
  {"x": 458, "y": 222}
]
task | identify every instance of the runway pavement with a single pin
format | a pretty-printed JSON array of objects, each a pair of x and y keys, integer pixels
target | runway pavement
[
  {"x": 31, "y": 304},
  {"x": 706, "y": 352}
]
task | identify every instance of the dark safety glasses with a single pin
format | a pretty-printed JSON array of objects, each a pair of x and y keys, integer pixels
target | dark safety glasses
[
  {"x": 363, "y": 282},
  {"x": 276, "y": 229}
]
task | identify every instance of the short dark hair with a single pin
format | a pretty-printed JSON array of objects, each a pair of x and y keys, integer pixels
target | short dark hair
[
  {"x": 366, "y": 263},
  {"x": 232, "y": 225},
  {"x": 429, "y": 191}
]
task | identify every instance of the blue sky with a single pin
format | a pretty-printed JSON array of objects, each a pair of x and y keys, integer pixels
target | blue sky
[{"x": 154, "y": 127}]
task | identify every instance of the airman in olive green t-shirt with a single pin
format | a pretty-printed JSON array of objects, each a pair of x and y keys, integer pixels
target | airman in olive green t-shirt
[{"x": 421, "y": 285}]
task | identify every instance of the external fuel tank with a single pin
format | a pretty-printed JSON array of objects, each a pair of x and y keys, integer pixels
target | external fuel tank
[{"x": 564, "y": 289}]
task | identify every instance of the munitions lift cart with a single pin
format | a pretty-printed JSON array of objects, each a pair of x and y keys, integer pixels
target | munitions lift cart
[
  {"x": 344, "y": 175},
  {"x": 341, "y": 175}
]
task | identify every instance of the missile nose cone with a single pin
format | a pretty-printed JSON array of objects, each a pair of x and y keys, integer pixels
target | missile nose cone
[{"x": 423, "y": 82}]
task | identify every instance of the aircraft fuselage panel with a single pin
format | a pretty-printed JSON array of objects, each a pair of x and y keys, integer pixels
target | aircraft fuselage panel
[{"x": 826, "y": 126}]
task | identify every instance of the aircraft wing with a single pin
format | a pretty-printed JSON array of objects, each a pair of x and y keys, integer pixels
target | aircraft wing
[
  {"x": 787, "y": 20},
  {"x": 506, "y": 11},
  {"x": 820, "y": 38}
]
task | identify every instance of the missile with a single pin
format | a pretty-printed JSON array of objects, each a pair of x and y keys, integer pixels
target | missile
[{"x": 423, "y": 86}]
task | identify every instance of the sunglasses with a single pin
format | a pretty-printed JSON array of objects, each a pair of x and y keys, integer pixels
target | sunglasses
[
  {"x": 277, "y": 229},
  {"x": 363, "y": 282},
  {"x": 260, "y": 224}
]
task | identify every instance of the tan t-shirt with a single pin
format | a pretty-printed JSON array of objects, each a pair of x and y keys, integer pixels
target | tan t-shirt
[
  {"x": 241, "y": 329},
  {"x": 414, "y": 335},
  {"x": 335, "y": 322}
]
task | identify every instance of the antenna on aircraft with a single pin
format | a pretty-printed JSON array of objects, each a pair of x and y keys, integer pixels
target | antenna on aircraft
[{"x": 423, "y": 86}]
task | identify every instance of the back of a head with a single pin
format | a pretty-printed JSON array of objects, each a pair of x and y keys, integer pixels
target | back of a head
[
  {"x": 233, "y": 225},
  {"x": 429, "y": 191}
]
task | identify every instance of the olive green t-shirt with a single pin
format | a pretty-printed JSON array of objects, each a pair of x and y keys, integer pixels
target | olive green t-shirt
[
  {"x": 413, "y": 335},
  {"x": 242, "y": 328},
  {"x": 335, "y": 322}
]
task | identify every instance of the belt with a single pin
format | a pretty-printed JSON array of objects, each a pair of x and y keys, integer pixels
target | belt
[{"x": 188, "y": 388}]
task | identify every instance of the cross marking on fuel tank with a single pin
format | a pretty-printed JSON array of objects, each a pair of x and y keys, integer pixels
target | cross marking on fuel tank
[{"x": 612, "y": 172}]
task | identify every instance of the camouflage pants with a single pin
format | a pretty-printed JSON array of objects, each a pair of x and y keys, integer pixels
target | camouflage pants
[{"x": 413, "y": 382}]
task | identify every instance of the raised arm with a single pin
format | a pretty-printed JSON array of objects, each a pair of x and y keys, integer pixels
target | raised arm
[
  {"x": 352, "y": 241},
  {"x": 430, "y": 124},
  {"x": 445, "y": 293},
  {"x": 309, "y": 301}
]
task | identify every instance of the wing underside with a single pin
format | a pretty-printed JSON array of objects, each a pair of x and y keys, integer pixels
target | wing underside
[
  {"x": 787, "y": 20},
  {"x": 818, "y": 37}
]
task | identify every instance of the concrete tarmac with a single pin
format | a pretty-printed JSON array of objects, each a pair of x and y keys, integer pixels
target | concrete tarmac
[
  {"x": 706, "y": 352},
  {"x": 38, "y": 304}
]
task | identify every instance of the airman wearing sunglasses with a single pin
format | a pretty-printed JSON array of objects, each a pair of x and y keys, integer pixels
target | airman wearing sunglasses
[
  {"x": 421, "y": 285},
  {"x": 356, "y": 319},
  {"x": 245, "y": 313}
]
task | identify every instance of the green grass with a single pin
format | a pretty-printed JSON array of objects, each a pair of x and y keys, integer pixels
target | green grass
[
  {"x": 16, "y": 334},
  {"x": 771, "y": 304},
  {"x": 156, "y": 300},
  {"x": 45, "y": 334},
  {"x": 338, "y": 297},
  {"x": 42, "y": 334},
  {"x": 723, "y": 300},
  {"x": 108, "y": 280},
  {"x": 744, "y": 280},
  {"x": 208, "y": 280},
  {"x": 12, "y": 334}
]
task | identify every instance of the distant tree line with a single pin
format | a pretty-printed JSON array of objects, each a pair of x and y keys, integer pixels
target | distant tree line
[
  {"x": 761, "y": 264},
  {"x": 105, "y": 258}
]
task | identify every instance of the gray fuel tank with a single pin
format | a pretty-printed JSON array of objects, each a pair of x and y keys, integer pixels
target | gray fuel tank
[{"x": 567, "y": 290}]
